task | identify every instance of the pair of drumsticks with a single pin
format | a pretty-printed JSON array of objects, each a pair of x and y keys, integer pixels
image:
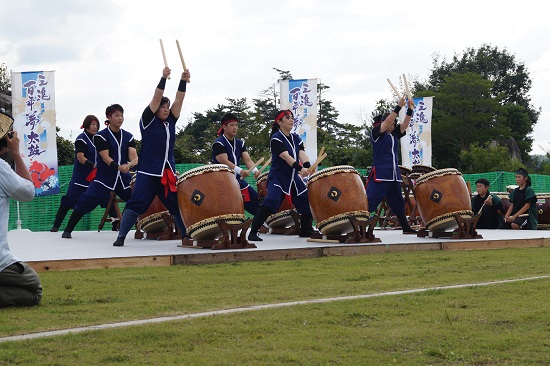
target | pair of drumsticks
[
  {"x": 407, "y": 89},
  {"x": 320, "y": 158},
  {"x": 181, "y": 56}
]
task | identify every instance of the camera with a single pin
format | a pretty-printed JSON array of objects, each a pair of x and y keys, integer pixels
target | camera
[{"x": 4, "y": 142}]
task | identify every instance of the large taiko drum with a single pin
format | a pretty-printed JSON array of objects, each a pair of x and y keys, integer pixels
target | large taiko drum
[
  {"x": 283, "y": 217},
  {"x": 151, "y": 221},
  {"x": 440, "y": 195},
  {"x": 335, "y": 194},
  {"x": 207, "y": 194}
]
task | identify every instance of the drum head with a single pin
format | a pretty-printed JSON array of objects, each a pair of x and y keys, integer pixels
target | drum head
[
  {"x": 436, "y": 173},
  {"x": 332, "y": 170},
  {"x": 447, "y": 222},
  {"x": 153, "y": 223},
  {"x": 281, "y": 219},
  {"x": 340, "y": 224},
  {"x": 262, "y": 177},
  {"x": 208, "y": 229},
  {"x": 203, "y": 169}
]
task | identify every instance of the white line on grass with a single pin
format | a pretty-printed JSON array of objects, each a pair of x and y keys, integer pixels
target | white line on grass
[{"x": 254, "y": 307}]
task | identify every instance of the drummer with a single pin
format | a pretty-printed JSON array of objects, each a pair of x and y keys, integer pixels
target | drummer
[
  {"x": 385, "y": 177},
  {"x": 285, "y": 176},
  {"x": 522, "y": 212},
  {"x": 84, "y": 165},
  {"x": 228, "y": 150},
  {"x": 157, "y": 168},
  {"x": 490, "y": 205},
  {"x": 114, "y": 148}
]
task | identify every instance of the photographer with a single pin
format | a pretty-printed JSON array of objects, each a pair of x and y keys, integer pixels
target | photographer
[{"x": 19, "y": 283}]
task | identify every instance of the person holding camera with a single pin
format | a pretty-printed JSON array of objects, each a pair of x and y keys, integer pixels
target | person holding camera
[{"x": 19, "y": 283}]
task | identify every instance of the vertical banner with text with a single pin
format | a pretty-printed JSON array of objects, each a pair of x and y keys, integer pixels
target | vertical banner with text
[
  {"x": 300, "y": 96},
  {"x": 416, "y": 146},
  {"x": 33, "y": 105}
]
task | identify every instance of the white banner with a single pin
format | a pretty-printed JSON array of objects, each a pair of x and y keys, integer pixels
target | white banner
[
  {"x": 416, "y": 146},
  {"x": 300, "y": 96},
  {"x": 33, "y": 105}
]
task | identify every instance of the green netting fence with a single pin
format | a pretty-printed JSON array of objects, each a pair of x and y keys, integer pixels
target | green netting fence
[{"x": 38, "y": 214}]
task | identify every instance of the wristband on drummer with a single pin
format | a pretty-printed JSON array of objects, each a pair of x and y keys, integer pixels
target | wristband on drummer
[
  {"x": 409, "y": 112},
  {"x": 113, "y": 165},
  {"x": 183, "y": 86},
  {"x": 162, "y": 83},
  {"x": 89, "y": 164},
  {"x": 307, "y": 165},
  {"x": 237, "y": 170},
  {"x": 297, "y": 166},
  {"x": 397, "y": 109},
  {"x": 254, "y": 170}
]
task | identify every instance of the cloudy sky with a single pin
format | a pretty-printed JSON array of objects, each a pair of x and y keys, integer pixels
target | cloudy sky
[{"x": 107, "y": 51}]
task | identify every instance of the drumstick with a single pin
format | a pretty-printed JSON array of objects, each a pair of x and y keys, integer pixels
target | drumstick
[
  {"x": 322, "y": 151},
  {"x": 265, "y": 165},
  {"x": 394, "y": 89},
  {"x": 255, "y": 165},
  {"x": 132, "y": 163},
  {"x": 317, "y": 162},
  {"x": 181, "y": 57},
  {"x": 490, "y": 198},
  {"x": 407, "y": 90},
  {"x": 163, "y": 55}
]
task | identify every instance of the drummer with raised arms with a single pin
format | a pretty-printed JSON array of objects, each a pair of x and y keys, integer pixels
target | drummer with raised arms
[
  {"x": 285, "y": 176},
  {"x": 157, "y": 168},
  {"x": 228, "y": 150},
  {"x": 385, "y": 177}
]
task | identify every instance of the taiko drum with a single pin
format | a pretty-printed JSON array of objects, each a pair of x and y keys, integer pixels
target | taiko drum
[
  {"x": 336, "y": 194},
  {"x": 151, "y": 220},
  {"x": 207, "y": 194},
  {"x": 282, "y": 218},
  {"x": 440, "y": 195}
]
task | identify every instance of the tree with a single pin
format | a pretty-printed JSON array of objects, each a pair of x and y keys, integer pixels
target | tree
[
  {"x": 5, "y": 89},
  {"x": 510, "y": 86},
  {"x": 65, "y": 150},
  {"x": 488, "y": 158},
  {"x": 5, "y": 78},
  {"x": 466, "y": 114}
]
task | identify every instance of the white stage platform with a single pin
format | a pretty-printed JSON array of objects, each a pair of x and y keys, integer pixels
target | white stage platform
[{"x": 91, "y": 249}]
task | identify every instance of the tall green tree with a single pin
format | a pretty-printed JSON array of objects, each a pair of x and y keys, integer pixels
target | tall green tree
[
  {"x": 510, "y": 86},
  {"x": 466, "y": 114}
]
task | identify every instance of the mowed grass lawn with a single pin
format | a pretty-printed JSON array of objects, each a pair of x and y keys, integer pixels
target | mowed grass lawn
[{"x": 500, "y": 324}]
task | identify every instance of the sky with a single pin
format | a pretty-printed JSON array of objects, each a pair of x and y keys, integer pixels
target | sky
[{"x": 108, "y": 51}]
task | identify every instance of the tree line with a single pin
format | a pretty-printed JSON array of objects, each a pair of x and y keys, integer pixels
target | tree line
[{"x": 482, "y": 119}]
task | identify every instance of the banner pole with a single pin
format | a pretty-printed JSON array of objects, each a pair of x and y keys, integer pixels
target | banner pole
[{"x": 18, "y": 217}]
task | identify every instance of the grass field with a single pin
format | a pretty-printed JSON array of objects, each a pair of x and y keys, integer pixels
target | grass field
[{"x": 501, "y": 324}]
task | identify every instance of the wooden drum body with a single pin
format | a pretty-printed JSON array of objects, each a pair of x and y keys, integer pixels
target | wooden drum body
[
  {"x": 440, "y": 195},
  {"x": 282, "y": 218},
  {"x": 335, "y": 194},
  {"x": 207, "y": 194}
]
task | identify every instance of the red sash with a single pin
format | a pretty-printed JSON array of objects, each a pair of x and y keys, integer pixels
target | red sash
[
  {"x": 168, "y": 180},
  {"x": 92, "y": 175}
]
